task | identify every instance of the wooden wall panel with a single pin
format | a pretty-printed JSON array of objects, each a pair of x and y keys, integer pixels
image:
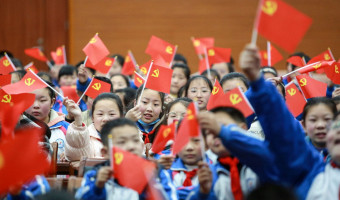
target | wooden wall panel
[{"x": 125, "y": 25}]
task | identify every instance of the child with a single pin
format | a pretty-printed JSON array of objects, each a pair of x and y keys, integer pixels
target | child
[
  {"x": 119, "y": 81},
  {"x": 199, "y": 88},
  {"x": 224, "y": 68},
  {"x": 149, "y": 113},
  {"x": 42, "y": 110},
  {"x": 233, "y": 80},
  {"x": 180, "y": 76},
  {"x": 85, "y": 141},
  {"x": 127, "y": 96},
  {"x": 213, "y": 75},
  {"x": 117, "y": 65}
]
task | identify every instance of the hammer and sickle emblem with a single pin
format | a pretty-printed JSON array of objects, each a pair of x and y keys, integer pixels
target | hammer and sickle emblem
[
  {"x": 166, "y": 132},
  {"x": 190, "y": 115},
  {"x": 6, "y": 63},
  {"x": 336, "y": 69},
  {"x": 303, "y": 82},
  {"x": 29, "y": 81},
  {"x": 291, "y": 91},
  {"x": 59, "y": 52},
  {"x": 143, "y": 69},
  {"x": 155, "y": 73},
  {"x": 127, "y": 59},
  {"x": 317, "y": 66},
  {"x": 93, "y": 40},
  {"x": 119, "y": 158},
  {"x": 169, "y": 50},
  {"x": 235, "y": 99},
  {"x": 197, "y": 43},
  {"x": 269, "y": 7},
  {"x": 211, "y": 52},
  {"x": 265, "y": 56},
  {"x": 6, "y": 98},
  {"x": 96, "y": 86},
  {"x": 326, "y": 56},
  {"x": 139, "y": 80},
  {"x": 108, "y": 62},
  {"x": 215, "y": 90}
]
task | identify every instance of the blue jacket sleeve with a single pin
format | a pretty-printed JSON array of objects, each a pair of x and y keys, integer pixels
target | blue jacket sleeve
[
  {"x": 250, "y": 118},
  {"x": 167, "y": 184},
  {"x": 329, "y": 91},
  {"x": 250, "y": 151},
  {"x": 197, "y": 195},
  {"x": 89, "y": 190},
  {"x": 82, "y": 86}
]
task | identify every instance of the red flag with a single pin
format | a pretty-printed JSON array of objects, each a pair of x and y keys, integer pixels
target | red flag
[
  {"x": 103, "y": 66},
  {"x": 333, "y": 72},
  {"x": 32, "y": 158},
  {"x": 5, "y": 79},
  {"x": 203, "y": 65},
  {"x": 313, "y": 67},
  {"x": 311, "y": 87},
  {"x": 236, "y": 98},
  {"x": 201, "y": 43},
  {"x": 216, "y": 97},
  {"x": 126, "y": 172},
  {"x": 294, "y": 99},
  {"x": 6, "y": 65},
  {"x": 70, "y": 92},
  {"x": 274, "y": 54},
  {"x": 159, "y": 79},
  {"x": 36, "y": 53},
  {"x": 139, "y": 80},
  {"x": 218, "y": 55},
  {"x": 157, "y": 46},
  {"x": 129, "y": 64},
  {"x": 188, "y": 128},
  {"x": 282, "y": 24},
  {"x": 296, "y": 60},
  {"x": 97, "y": 87},
  {"x": 96, "y": 50},
  {"x": 59, "y": 56},
  {"x": 30, "y": 66},
  {"x": 324, "y": 56},
  {"x": 27, "y": 84},
  {"x": 164, "y": 134},
  {"x": 11, "y": 107}
]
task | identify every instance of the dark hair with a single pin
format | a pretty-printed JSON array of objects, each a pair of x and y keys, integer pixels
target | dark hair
[
  {"x": 119, "y": 59},
  {"x": 229, "y": 65},
  {"x": 235, "y": 75},
  {"x": 185, "y": 68},
  {"x": 187, "y": 85},
  {"x": 51, "y": 93},
  {"x": 181, "y": 92},
  {"x": 267, "y": 69},
  {"x": 213, "y": 73},
  {"x": 185, "y": 101},
  {"x": 106, "y": 80},
  {"x": 9, "y": 54},
  {"x": 108, "y": 96},
  {"x": 270, "y": 191},
  {"x": 44, "y": 75},
  {"x": 128, "y": 96},
  {"x": 283, "y": 89},
  {"x": 126, "y": 79},
  {"x": 16, "y": 62},
  {"x": 67, "y": 70},
  {"x": 336, "y": 99},
  {"x": 234, "y": 113},
  {"x": 316, "y": 101},
  {"x": 161, "y": 94},
  {"x": 93, "y": 71},
  {"x": 21, "y": 73},
  {"x": 110, "y": 125},
  {"x": 301, "y": 55},
  {"x": 180, "y": 57}
]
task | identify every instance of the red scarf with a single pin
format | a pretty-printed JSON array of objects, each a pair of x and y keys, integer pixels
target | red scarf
[
  {"x": 234, "y": 176},
  {"x": 190, "y": 175},
  {"x": 147, "y": 140}
]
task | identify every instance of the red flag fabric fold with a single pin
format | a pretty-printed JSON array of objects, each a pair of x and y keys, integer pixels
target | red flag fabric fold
[
  {"x": 158, "y": 47},
  {"x": 333, "y": 72},
  {"x": 218, "y": 55},
  {"x": 6, "y": 65},
  {"x": 159, "y": 79},
  {"x": 103, "y": 66},
  {"x": 129, "y": 64},
  {"x": 311, "y": 87},
  {"x": 201, "y": 43},
  {"x": 59, "y": 56},
  {"x": 275, "y": 56},
  {"x": 97, "y": 87},
  {"x": 96, "y": 50},
  {"x": 164, "y": 134},
  {"x": 294, "y": 99},
  {"x": 36, "y": 53},
  {"x": 296, "y": 60},
  {"x": 138, "y": 80}
]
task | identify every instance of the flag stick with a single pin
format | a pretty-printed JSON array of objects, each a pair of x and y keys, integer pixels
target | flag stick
[
  {"x": 304, "y": 60},
  {"x": 269, "y": 55},
  {"x": 256, "y": 23},
  {"x": 85, "y": 60},
  {"x": 64, "y": 52},
  {"x": 146, "y": 79},
  {"x": 109, "y": 139},
  {"x": 28, "y": 65},
  {"x": 49, "y": 64},
  {"x": 82, "y": 95},
  {"x": 330, "y": 52},
  {"x": 207, "y": 62},
  {"x": 170, "y": 65},
  {"x": 9, "y": 59},
  {"x": 299, "y": 69},
  {"x": 133, "y": 59},
  {"x": 46, "y": 84}
]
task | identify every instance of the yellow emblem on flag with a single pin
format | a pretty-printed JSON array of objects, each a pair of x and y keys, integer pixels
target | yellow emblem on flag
[
  {"x": 326, "y": 56},
  {"x": 6, "y": 98},
  {"x": 303, "y": 82},
  {"x": 291, "y": 91},
  {"x": 29, "y": 81},
  {"x": 59, "y": 53},
  {"x": 336, "y": 69},
  {"x": 93, "y": 40},
  {"x": 197, "y": 43},
  {"x": 265, "y": 56},
  {"x": 6, "y": 63},
  {"x": 1, "y": 160},
  {"x": 317, "y": 66},
  {"x": 127, "y": 59},
  {"x": 215, "y": 90},
  {"x": 41, "y": 53},
  {"x": 211, "y": 52},
  {"x": 96, "y": 86},
  {"x": 139, "y": 80},
  {"x": 119, "y": 158},
  {"x": 155, "y": 73},
  {"x": 169, "y": 50},
  {"x": 108, "y": 62},
  {"x": 143, "y": 69},
  {"x": 269, "y": 7},
  {"x": 235, "y": 99},
  {"x": 166, "y": 132},
  {"x": 190, "y": 115}
]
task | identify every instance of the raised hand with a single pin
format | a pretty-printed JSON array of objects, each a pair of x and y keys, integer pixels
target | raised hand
[{"x": 134, "y": 114}]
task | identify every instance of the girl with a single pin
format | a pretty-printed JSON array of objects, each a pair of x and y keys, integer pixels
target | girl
[
  {"x": 119, "y": 81},
  {"x": 316, "y": 118},
  {"x": 199, "y": 88},
  {"x": 176, "y": 110},
  {"x": 149, "y": 113},
  {"x": 42, "y": 110},
  {"x": 85, "y": 141},
  {"x": 180, "y": 76}
]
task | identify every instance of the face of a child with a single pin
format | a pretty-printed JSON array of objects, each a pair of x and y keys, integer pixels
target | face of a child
[
  {"x": 191, "y": 153},
  {"x": 317, "y": 120},
  {"x": 127, "y": 138},
  {"x": 199, "y": 91},
  {"x": 233, "y": 83},
  {"x": 118, "y": 83},
  {"x": 178, "y": 80},
  {"x": 42, "y": 105},
  {"x": 150, "y": 105},
  {"x": 333, "y": 141},
  {"x": 221, "y": 68},
  {"x": 14, "y": 78},
  {"x": 177, "y": 112},
  {"x": 115, "y": 69},
  {"x": 68, "y": 80},
  {"x": 104, "y": 111}
]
